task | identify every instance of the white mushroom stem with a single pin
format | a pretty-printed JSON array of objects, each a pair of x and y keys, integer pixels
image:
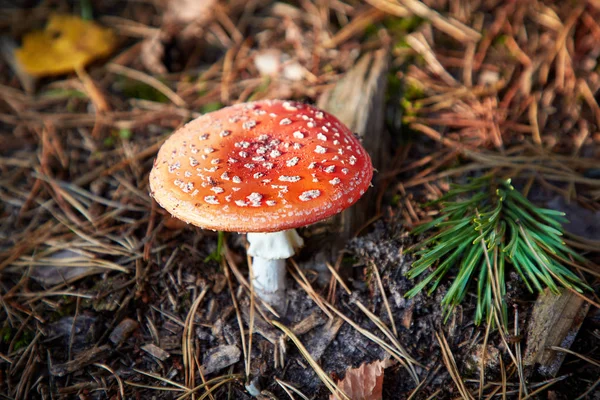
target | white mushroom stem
[
  {"x": 268, "y": 280},
  {"x": 269, "y": 252}
]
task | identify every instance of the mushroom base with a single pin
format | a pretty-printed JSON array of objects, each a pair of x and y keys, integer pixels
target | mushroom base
[{"x": 268, "y": 280}]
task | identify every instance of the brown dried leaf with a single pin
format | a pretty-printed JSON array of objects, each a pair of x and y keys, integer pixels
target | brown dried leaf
[{"x": 364, "y": 382}]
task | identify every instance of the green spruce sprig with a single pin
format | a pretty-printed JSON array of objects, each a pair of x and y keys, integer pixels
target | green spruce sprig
[{"x": 483, "y": 226}]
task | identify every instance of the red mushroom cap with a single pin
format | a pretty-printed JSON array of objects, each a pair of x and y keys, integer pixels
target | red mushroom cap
[{"x": 260, "y": 167}]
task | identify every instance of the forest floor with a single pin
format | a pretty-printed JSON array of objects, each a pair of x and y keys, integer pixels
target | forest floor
[{"x": 104, "y": 295}]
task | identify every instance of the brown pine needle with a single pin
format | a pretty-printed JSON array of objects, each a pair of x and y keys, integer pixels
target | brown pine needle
[
  {"x": 590, "y": 360},
  {"x": 238, "y": 314},
  {"x": 329, "y": 383},
  {"x": 402, "y": 357},
  {"x": 187, "y": 342},
  {"x": 338, "y": 278},
  {"x": 393, "y": 338},
  {"x": 287, "y": 387},
  {"x": 117, "y": 377},
  {"x": 215, "y": 382},
  {"x": 451, "y": 366},
  {"x": 178, "y": 386},
  {"x": 305, "y": 284},
  {"x": 384, "y": 297},
  {"x": 544, "y": 387}
]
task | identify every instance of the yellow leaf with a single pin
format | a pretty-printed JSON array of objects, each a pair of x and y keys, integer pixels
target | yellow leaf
[{"x": 66, "y": 44}]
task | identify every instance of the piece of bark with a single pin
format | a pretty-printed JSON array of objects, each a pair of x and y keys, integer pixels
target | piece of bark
[
  {"x": 261, "y": 326},
  {"x": 220, "y": 357},
  {"x": 87, "y": 357},
  {"x": 555, "y": 321},
  {"x": 322, "y": 339},
  {"x": 358, "y": 100}
]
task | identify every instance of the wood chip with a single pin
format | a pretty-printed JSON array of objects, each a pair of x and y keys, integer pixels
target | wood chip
[
  {"x": 123, "y": 331},
  {"x": 156, "y": 351},
  {"x": 307, "y": 324}
]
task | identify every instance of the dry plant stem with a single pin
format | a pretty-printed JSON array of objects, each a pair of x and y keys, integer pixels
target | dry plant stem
[
  {"x": 119, "y": 381},
  {"x": 519, "y": 364},
  {"x": 483, "y": 356},
  {"x": 544, "y": 387},
  {"x": 398, "y": 353},
  {"x": 396, "y": 349}
]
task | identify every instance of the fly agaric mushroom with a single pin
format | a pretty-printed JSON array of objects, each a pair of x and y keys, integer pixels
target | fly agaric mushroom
[{"x": 263, "y": 168}]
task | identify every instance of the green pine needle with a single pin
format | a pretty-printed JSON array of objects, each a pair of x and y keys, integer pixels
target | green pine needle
[{"x": 484, "y": 225}]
